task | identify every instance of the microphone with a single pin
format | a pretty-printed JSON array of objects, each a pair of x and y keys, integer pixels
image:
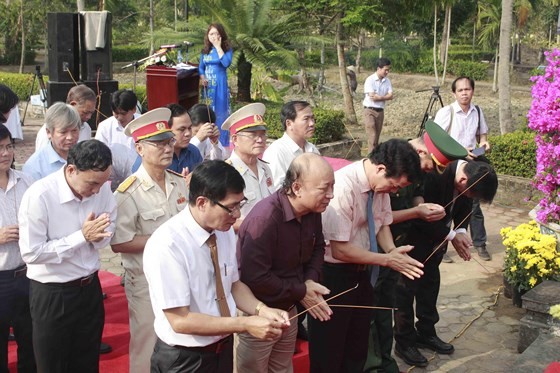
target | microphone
[{"x": 177, "y": 45}]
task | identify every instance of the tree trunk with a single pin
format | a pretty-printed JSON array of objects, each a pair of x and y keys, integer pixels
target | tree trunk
[
  {"x": 435, "y": 45},
  {"x": 495, "y": 80},
  {"x": 361, "y": 38},
  {"x": 349, "y": 111},
  {"x": 175, "y": 11},
  {"x": 80, "y": 5},
  {"x": 244, "y": 76},
  {"x": 506, "y": 124},
  {"x": 445, "y": 33},
  {"x": 321, "y": 82},
  {"x": 22, "y": 57},
  {"x": 446, "y": 46},
  {"x": 151, "y": 27}
]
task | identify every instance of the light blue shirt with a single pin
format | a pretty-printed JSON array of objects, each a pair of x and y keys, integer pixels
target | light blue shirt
[{"x": 43, "y": 162}]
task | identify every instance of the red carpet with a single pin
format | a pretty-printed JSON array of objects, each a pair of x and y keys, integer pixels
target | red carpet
[
  {"x": 116, "y": 332},
  {"x": 116, "y": 328}
]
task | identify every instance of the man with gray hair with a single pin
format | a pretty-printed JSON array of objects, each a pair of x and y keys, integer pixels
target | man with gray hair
[
  {"x": 83, "y": 99},
  {"x": 63, "y": 129}
]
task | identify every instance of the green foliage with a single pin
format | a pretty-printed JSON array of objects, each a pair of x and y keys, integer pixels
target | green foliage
[
  {"x": 129, "y": 53},
  {"x": 329, "y": 124},
  {"x": 514, "y": 153},
  {"x": 20, "y": 83},
  {"x": 476, "y": 70}
]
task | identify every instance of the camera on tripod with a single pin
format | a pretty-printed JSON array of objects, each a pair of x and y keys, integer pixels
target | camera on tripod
[
  {"x": 431, "y": 110},
  {"x": 38, "y": 76}
]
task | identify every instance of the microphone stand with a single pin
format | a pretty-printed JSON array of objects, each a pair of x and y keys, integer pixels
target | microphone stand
[{"x": 137, "y": 63}]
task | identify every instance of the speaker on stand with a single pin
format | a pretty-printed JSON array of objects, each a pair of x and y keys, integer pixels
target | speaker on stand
[{"x": 63, "y": 46}]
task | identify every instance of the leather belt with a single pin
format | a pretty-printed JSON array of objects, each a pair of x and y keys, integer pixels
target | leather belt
[
  {"x": 378, "y": 109},
  {"x": 14, "y": 273},
  {"x": 215, "y": 347},
  {"x": 80, "y": 282},
  {"x": 348, "y": 266}
]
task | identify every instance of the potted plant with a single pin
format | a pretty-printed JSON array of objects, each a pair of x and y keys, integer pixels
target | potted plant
[
  {"x": 531, "y": 257},
  {"x": 544, "y": 119}
]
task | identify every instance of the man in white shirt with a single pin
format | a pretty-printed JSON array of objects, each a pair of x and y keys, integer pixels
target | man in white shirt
[
  {"x": 353, "y": 248},
  {"x": 298, "y": 124},
  {"x": 111, "y": 130},
  {"x": 63, "y": 129},
  {"x": 248, "y": 136},
  {"x": 64, "y": 220},
  {"x": 465, "y": 122},
  {"x": 83, "y": 99},
  {"x": 205, "y": 134},
  {"x": 191, "y": 269},
  {"x": 377, "y": 90},
  {"x": 14, "y": 285}
]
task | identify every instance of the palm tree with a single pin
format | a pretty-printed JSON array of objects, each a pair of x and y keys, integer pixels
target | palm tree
[
  {"x": 259, "y": 35},
  {"x": 489, "y": 14},
  {"x": 506, "y": 124}
]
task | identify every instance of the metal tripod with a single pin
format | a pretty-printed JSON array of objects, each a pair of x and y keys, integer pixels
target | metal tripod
[
  {"x": 430, "y": 110},
  {"x": 42, "y": 91}
]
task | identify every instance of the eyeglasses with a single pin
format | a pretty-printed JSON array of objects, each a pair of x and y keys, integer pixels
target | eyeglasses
[
  {"x": 232, "y": 210},
  {"x": 162, "y": 144},
  {"x": 7, "y": 148},
  {"x": 253, "y": 136}
]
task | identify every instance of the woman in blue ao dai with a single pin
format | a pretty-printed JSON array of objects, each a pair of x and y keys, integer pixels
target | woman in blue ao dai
[{"x": 215, "y": 59}]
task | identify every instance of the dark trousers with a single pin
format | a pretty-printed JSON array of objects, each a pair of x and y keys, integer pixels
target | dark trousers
[
  {"x": 425, "y": 291},
  {"x": 67, "y": 326},
  {"x": 379, "y": 357},
  {"x": 478, "y": 231},
  {"x": 340, "y": 344},
  {"x": 177, "y": 359},
  {"x": 14, "y": 312}
]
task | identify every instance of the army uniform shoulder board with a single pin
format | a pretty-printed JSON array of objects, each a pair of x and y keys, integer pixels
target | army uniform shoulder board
[
  {"x": 174, "y": 173},
  {"x": 228, "y": 161},
  {"x": 126, "y": 184}
]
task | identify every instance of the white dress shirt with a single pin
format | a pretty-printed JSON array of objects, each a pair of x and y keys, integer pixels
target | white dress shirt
[
  {"x": 281, "y": 153},
  {"x": 465, "y": 125},
  {"x": 256, "y": 187},
  {"x": 345, "y": 219},
  {"x": 381, "y": 87},
  {"x": 42, "y": 138},
  {"x": 210, "y": 151},
  {"x": 180, "y": 273},
  {"x": 111, "y": 132},
  {"x": 50, "y": 229},
  {"x": 10, "y": 200}
]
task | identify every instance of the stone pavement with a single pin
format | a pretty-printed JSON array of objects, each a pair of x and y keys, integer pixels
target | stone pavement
[{"x": 484, "y": 323}]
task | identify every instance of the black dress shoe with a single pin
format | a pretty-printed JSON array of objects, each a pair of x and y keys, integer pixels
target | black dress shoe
[
  {"x": 435, "y": 343},
  {"x": 104, "y": 348},
  {"x": 411, "y": 356}
]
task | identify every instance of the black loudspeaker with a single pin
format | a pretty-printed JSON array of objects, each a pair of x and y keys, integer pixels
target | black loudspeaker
[
  {"x": 57, "y": 91},
  {"x": 97, "y": 64},
  {"x": 63, "y": 46}
]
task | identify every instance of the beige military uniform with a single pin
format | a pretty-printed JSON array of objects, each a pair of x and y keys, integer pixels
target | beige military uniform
[
  {"x": 256, "y": 187},
  {"x": 142, "y": 208}
]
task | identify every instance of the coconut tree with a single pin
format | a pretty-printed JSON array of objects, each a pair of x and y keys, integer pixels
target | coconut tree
[
  {"x": 259, "y": 35},
  {"x": 506, "y": 21},
  {"x": 489, "y": 14}
]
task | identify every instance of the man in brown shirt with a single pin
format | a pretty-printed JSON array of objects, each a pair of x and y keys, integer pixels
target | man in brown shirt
[{"x": 282, "y": 249}]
